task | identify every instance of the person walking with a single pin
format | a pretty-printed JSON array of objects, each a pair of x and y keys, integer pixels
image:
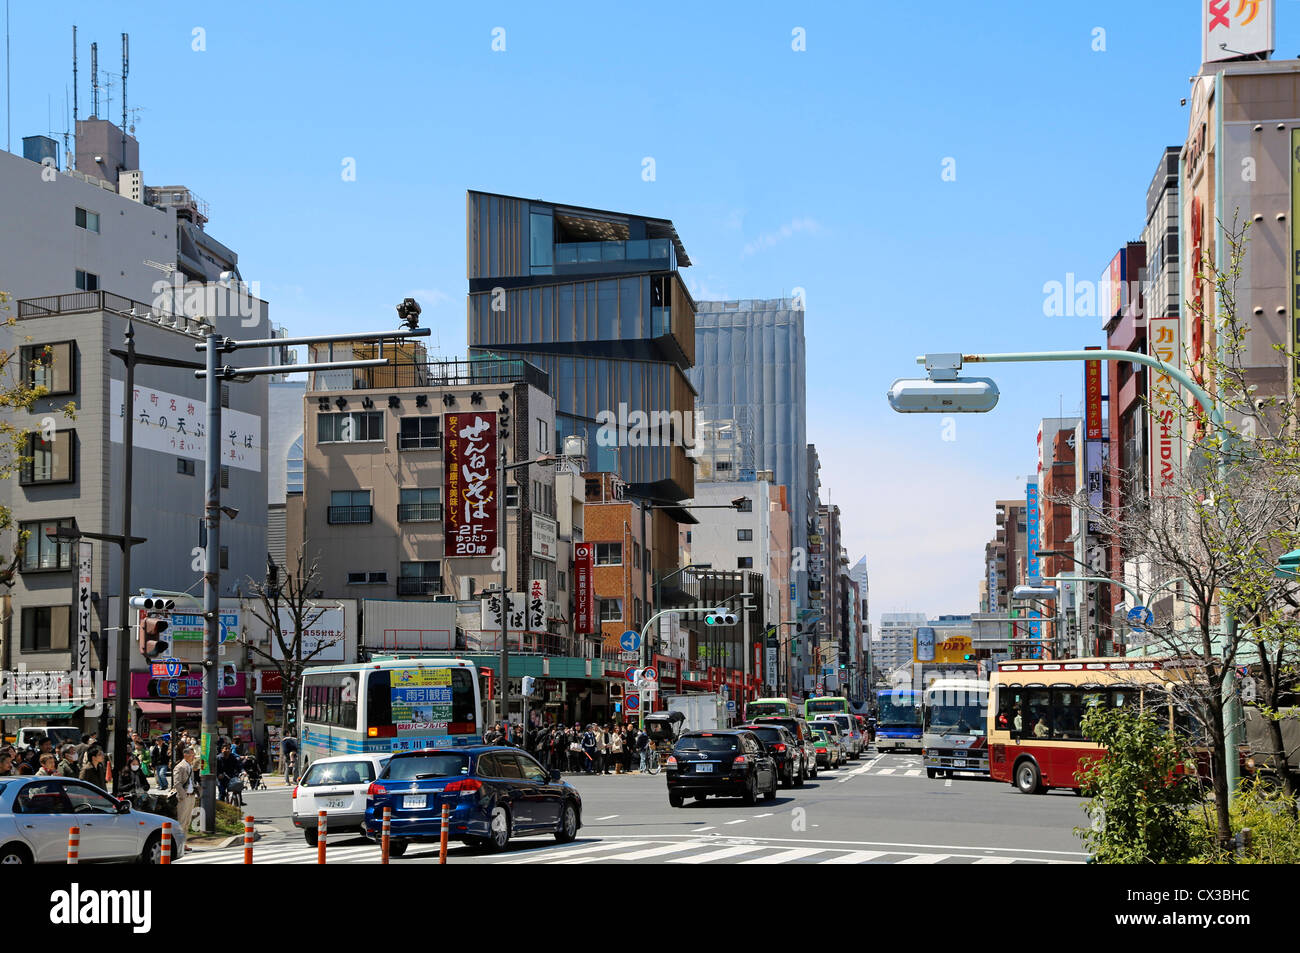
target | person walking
[
  {"x": 589, "y": 750},
  {"x": 185, "y": 784},
  {"x": 131, "y": 782},
  {"x": 616, "y": 750},
  {"x": 158, "y": 759},
  {"x": 93, "y": 770},
  {"x": 643, "y": 748}
]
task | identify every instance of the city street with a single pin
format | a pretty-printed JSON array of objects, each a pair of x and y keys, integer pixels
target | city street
[{"x": 881, "y": 810}]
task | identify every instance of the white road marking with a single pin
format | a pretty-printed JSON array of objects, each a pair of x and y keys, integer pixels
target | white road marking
[
  {"x": 757, "y": 816},
  {"x": 560, "y": 853},
  {"x": 607, "y": 817},
  {"x": 925, "y": 859},
  {"x": 948, "y": 783},
  {"x": 886, "y": 771},
  {"x": 855, "y": 857},
  {"x": 699, "y": 829},
  {"x": 654, "y": 851},
  {"x": 739, "y": 820},
  {"x": 913, "y": 773},
  {"x": 784, "y": 856},
  {"x": 715, "y": 855},
  {"x": 907, "y": 848}
]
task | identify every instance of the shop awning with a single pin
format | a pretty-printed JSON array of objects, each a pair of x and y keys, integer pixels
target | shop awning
[
  {"x": 24, "y": 711},
  {"x": 194, "y": 706}
]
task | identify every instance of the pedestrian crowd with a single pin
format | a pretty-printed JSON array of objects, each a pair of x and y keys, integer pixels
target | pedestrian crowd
[{"x": 611, "y": 748}]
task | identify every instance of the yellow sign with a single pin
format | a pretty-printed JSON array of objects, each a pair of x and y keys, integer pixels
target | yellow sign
[{"x": 953, "y": 649}]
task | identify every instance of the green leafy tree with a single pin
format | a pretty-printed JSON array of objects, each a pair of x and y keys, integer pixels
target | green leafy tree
[{"x": 1142, "y": 789}]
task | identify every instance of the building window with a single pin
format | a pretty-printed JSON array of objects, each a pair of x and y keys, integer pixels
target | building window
[
  {"x": 45, "y": 628},
  {"x": 293, "y": 468},
  {"x": 350, "y": 428},
  {"x": 185, "y": 466},
  {"x": 378, "y": 578},
  {"x": 688, "y": 537},
  {"x": 225, "y": 478},
  {"x": 420, "y": 433},
  {"x": 541, "y": 243},
  {"x": 512, "y": 496},
  {"x": 225, "y": 557},
  {"x": 745, "y": 535},
  {"x": 87, "y": 220},
  {"x": 350, "y": 506},
  {"x": 638, "y": 609},
  {"x": 356, "y": 578},
  {"x": 636, "y": 555},
  {"x": 609, "y": 554},
  {"x": 611, "y": 610},
  {"x": 744, "y": 562},
  {"x": 542, "y": 436},
  {"x": 724, "y": 465},
  {"x": 50, "y": 366},
  {"x": 563, "y": 581},
  {"x": 87, "y": 281},
  {"x": 420, "y": 579},
  {"x": 745, "y": 506},
  {"x": 39, "y": 551},
  {"x": 49, "y": 461},
  {"x": 416, "y": 505},
  {"x": 367, "y": 578}
]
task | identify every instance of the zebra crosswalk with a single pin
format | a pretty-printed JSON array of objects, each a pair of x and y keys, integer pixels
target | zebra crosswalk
[{"x": 685, "y": 849}]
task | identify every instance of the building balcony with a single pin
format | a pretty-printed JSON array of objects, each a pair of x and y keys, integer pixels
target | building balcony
[
  {"x": 431, "y": 374},
  {"x": 339, "y": 515},
  {"x": 418, "y": 586},
  {"x": 657, "y": 252},
  {"x": 418, "y": 512}
]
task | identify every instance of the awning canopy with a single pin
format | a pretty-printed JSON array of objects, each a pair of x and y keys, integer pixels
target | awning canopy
[
  {"x": 192, "y": 707},
  {"x": 24, "y": 711}
]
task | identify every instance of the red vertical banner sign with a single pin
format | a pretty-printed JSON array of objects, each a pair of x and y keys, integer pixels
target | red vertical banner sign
[
  {"x": 470, "y": 484},
  {"x": 1092, "y": 396},
  {"x": 584, "y": 595}
]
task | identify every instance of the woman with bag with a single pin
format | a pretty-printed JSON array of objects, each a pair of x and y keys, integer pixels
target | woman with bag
[{"x": 615, "y": 756}]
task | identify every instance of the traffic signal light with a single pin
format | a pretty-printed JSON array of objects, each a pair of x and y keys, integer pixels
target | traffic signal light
[
  {"x": 153, "y": 603},
  {"x": 969, "y": 656},
  {"x": 720, "y": 616},
  {"x": 153, "y": 638},
  {"x": 528, "y": 681}
]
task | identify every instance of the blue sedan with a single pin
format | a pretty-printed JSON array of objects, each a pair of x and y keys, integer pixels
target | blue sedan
[{"x": 494, "y": 793}]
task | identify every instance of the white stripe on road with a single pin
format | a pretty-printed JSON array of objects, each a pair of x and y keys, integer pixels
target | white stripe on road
[
  {"x": 996, "y": 860},
  {"x": 653, "y": 851},
  {"x": 699, "y": 829},
  {"x": 784, "y": 856},
  {"x": 925, "y": 859},
  {"x": 559, "y": 853},
  {"x": 711, "y": 855},
  {"x": 861, "y": 770},
  {"x": 607, "y": 817},
  {"x": 916, "y": 773},
  {"x": 757, "y": 816},
  {"x": 739, "y": 820},
  {"x": 855, "y": 857},
  {"x": 886, "y": 771},
  {"x": 948, "y": 783}
]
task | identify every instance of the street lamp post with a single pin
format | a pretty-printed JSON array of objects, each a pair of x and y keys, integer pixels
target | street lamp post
[{"x": 213, "y": 375}]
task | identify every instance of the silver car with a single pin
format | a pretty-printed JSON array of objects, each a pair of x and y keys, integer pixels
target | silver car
[{"x": 36, "y": 813}]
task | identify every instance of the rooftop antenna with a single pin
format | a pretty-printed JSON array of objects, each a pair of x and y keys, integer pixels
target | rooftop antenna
[
  {"x": 74, "y": 97},
  {"x": 94, "y": 81},
  {"x": 8, "y": 85},
  {"x": 126, "y": 62},
  {"x": 65, "y": 124}
]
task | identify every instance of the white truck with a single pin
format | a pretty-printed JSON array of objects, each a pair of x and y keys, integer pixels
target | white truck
[{"x": 703, "y": 710}]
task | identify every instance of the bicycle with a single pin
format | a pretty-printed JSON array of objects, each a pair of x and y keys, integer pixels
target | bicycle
[{"x": 652, "y": 763}]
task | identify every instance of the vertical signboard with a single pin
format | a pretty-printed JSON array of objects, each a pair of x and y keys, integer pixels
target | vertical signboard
[
  {"x": 584, "y": 596},
  {"x": 1092, "y": 396},
  {"x": 1165, "y": 443},
  {"x": 1235, "y": 28},
  {"x": 1035, "y": 575},
  {"x": 924, "y": 644},
  {"x": 83, "y": 612},
  {"x": 470, "y": 484},
  {"x": 1295, "y": 255}
]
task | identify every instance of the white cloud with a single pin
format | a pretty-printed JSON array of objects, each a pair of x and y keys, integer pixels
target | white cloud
[{"x": 784, "y": 233}]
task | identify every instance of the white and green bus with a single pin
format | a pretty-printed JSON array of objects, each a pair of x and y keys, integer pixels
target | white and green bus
[
  {"x": 826, "y": 706},
  {"x": 388, "y": 704}
]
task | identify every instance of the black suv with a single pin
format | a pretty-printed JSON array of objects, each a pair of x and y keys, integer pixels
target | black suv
[
  {"x": 731, "y": 763},
  {"x": 785, "y": 751}
]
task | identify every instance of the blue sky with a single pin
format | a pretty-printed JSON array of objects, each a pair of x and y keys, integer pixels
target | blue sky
[{"x": 818, "y": 169}]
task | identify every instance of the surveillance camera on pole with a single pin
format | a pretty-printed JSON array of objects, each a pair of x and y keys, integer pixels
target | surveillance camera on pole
[
  {"x": 943, "y": 392},
  {"x": 720, "y": 616}
]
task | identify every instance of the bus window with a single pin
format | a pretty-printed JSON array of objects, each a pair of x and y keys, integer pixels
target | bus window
[
  {"x": 1010, "y": 701},
  {"x": 330, "y": 700},
  {"x": 1067, "y": 713},
  {"x": 1124, "y": 698},
  {"x": 1037, "y": 714}
]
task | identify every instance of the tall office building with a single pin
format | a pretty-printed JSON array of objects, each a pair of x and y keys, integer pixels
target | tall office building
[
  {"x": 595, "y": 299},
  {"x": 750, "y": 369}
]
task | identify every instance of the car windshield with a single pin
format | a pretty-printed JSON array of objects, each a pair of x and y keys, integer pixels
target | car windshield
[
  {"x": 845, "y": 722},
  {"x": 769, "y": 736},
  {"x": 714, "y": 743},
  {"x": 338, "y": 772},
  {"x": 965, "y": 719},
  {"x": 821, "y": 736},
  {"x": 830, "y": 727},
  {"x": 441, "y": 765}
]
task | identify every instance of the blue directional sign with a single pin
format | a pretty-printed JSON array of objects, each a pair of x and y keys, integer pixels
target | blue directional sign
[
  {"x": 1140, "y": 617},
  {"x": 630, "y": 640},
  {"x": 173, "y": 687}
]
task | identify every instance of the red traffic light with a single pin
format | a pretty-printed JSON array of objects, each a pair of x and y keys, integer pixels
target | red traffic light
[{"x": 153, "y": 640}]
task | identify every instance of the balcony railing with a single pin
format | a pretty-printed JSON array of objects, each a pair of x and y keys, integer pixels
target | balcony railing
[
  {"x": 417, "y": 586},
  {"x": 418, "y": 512},
  {"x": 351, "y": 514},
  {"x": 647, "y": 249},
  {"x": 488, "y": 373}
]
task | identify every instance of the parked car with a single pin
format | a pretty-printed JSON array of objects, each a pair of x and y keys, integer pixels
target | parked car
[
  {"x": 494, "y": 792},
  {"x": 337, "y": 786},
  {"x": 36, "y": 812},
  {"x": 730, "y": 763},
  {"x": 59, "y": 735},
  {"x": 803, "y": 733},
  {"x": 830, "y": 753},
  {"x": 850, "y": 734},
  {"x": 785, "y": 750}
]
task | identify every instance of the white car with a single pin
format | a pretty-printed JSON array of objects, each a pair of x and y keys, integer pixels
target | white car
[
  {"x": 36, "y": 812},
  {"x": 337, "y": 786}
]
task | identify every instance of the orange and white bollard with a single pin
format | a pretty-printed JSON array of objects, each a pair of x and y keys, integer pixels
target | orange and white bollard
[
  {"x": 387, "y": 830},
  {"x": 248, "y": 839},
  {"x": 166, "y": 856},
  {"x": 320, "y": 837},
  {"x": 74, "y": 843},
  {"x": 442, "y": 841}
]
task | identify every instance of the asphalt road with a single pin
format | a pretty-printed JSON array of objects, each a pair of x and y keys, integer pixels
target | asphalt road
[{"x": 882, "y": 809}]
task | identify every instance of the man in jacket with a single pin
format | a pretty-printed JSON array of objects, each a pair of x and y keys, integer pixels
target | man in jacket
[
  {"x": 185, "y": 783},
  {"x": 589, "y": 765},
  {"x": 68, "y": 764}
]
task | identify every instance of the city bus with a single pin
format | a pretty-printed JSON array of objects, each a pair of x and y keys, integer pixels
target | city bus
[
  {"x": 1036, "y": 710},
  {"x": 954, "y": 726},
  {"x": 815, "y": 708},
  {"x": 781, "y": 707},
  {"x": 386, "y": 705},
  {"x": 898, "y": 719}
]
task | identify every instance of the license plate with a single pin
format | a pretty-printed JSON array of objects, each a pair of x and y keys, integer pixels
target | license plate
[
  {"x": 958, "y": 763},
  {"x": 335, "y": 803},
  {"x": 410, "y": 801},
  {"x": 704, "y": 769}
]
